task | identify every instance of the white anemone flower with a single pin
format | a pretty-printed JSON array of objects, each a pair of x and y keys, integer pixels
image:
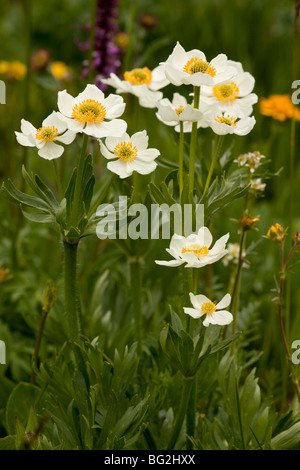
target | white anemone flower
[
  {"x": 92, "y": 113},
  {"x": 141, "y": 82},
  {"x": 215, "y": 313},
  {"x": 195, "y": 250},
  {"x": 172, "y": 113},
  {"x": 192, "y": 68},
  {"x": 225, "y": 123},
  {"x": 234, "y": 97},
  {"x": 129, "y": 154},
  {"x": 53, "y": 130}
]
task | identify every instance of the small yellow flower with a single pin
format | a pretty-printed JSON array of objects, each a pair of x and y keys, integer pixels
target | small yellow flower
[
  {"x": 297, "y": 237},
  {"x": 50, "y": 295},
  {"x": 121, "y": 40},
  {"x": 279, "y": 107},
  {"x": 247, "y": 222},
  {"x": 276, "y": 234},
  {"x": 13, "y": 70},
  {"x": 4, "y": 67},
  {"x": 60, "y": 70}
]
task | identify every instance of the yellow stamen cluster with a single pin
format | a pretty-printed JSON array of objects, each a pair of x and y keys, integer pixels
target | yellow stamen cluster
[
  {"x": 89, "y": 111},
  {"x": 229, "y": 120},
  {"x": 196, "y": 65},
  {"x": 227, "y": 92},
  {"x": 199, "y": 250},
  {"x": 208, "y": 307},
  {"x": 47, "y": 133},
  {"x": 126, "y": 151},
  {"x": 139, "y": 76},
  {"x": 179, "y": 110}
]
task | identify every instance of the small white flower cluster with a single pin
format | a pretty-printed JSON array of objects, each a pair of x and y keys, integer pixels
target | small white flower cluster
[
  {"x": 226, "y": 98},
  {"x": 93, "y": 114},
  {"x": 195, "y": 251},
  {"x": 251, "y": 161}
]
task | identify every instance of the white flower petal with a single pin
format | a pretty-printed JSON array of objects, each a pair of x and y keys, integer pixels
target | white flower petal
[
  {"x": 24, "y": 140},
  {"x": 173, "y": 263},
  {"x": 193, "y": 312},
  {"x": 198, "y": 300},
  {"x": 51, "y": 151},
  {"x": 67, "y": 138},
  {"x": 65, "y": 103},
  {"x": 27, "y": 128},
  {"x": 105, "y": 152},
  {"x": 140, "y": 140},
  {"x": 224, "y": 302}
]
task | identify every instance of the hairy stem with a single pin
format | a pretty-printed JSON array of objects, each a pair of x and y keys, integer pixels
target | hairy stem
[
  {"x": 72, "y": 304},
  {"x": 38, "y": 343}
]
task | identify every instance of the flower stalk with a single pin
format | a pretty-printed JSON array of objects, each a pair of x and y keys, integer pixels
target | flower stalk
[
  {"x": 72, "y": 303},
  {"x": 193, "y": 142},
  {"x": 217, "y": 149}
]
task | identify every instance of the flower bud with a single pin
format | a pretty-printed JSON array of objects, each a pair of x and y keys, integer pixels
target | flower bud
[
  {"x": 276, "y": 234},
  {"x": 50, "y": 295},
  {"x": 247, "y": 222}
]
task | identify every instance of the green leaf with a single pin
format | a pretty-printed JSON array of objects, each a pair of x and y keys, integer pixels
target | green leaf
[
  {"x": 16, "y": 196},
  {"x": 8, "y": 443},
  {"x": 20, "y": 400}
]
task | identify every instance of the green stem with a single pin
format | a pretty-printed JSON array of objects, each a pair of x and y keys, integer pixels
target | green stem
[
  {"x": 187, "y": 387},
  {"x": 236, "y": 287},
  {"x": 38, "y": 343},
  {"x": 181, "y": 152},
  {"x": 193, "y": 143},
  {"x": 191, "y": 415},
  {"x": 136, "y": 297},
  {"x": 71, "y": 290},
  {"x": 102, "y": 195},
  {"x": 78, "y": 188},
  {"x": 217, "y": 149},
  {"x": 59, "y": 186}
]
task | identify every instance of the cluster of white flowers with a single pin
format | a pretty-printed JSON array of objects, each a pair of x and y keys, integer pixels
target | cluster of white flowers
[
  {"x": 93, "y": 114},
  {"x": 225, "y": 105},
  {"x": 195, "y": 251},
  {"x": 226, "y": 98}
]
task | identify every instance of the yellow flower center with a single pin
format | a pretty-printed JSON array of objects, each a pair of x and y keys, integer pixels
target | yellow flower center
[
  {"x": 89, "y": 111},
  {"x": 47, "y": 133},
  {"x": 226, "y": 93},
  {"x": 138, "y": 76},
  {"x": 126, "y": 151},
  {"x": 196, "y": 65},
  {"x": 229, "y": 120},
  {"x": 179, "y": 110},
  {"x": 208, "y": 307},
  {"x": 198, "y": 250}
]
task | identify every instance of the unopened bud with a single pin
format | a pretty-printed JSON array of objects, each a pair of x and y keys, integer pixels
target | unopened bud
[
  {"x": 50, "y": 295},
  {"x": 247, "y": 222},
  {"x": 276, "y": 234}
]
